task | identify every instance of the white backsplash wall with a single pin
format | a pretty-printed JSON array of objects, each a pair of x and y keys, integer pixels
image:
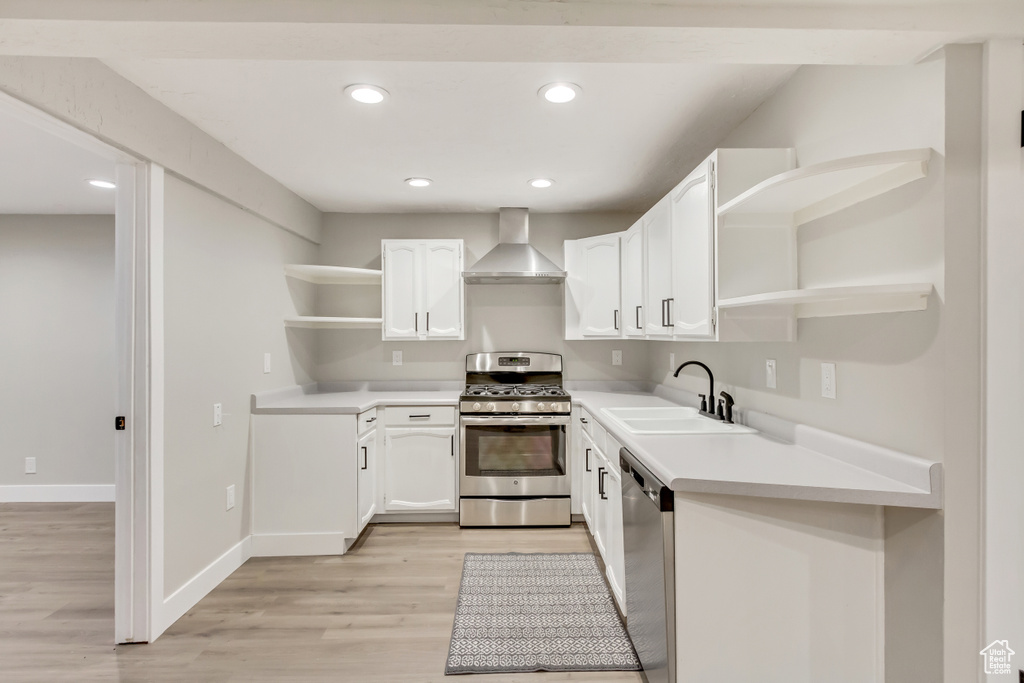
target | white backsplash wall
[
  {"x": 226, "y": 297},
  {"x": 498, "y": 317},
  {"x": 891, "y": 385},
  {"x": 57, "y": 342}
]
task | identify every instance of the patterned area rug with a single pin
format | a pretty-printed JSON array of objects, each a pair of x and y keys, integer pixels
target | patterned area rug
[{"x": 536, "y": 612}]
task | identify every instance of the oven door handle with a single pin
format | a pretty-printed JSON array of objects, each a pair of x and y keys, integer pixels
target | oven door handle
[{"x": 506, "y": 420}]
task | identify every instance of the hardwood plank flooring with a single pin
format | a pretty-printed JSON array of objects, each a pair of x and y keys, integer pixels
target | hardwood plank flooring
[{"x": 381, "y": 613}]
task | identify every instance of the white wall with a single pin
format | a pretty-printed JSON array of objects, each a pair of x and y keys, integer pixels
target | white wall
[
  {"x": 890, "y": 367},
  {"x": 498, "y": 317},
  {"x": 57, "y": 344},
  {"x": 225, "y": 299}
]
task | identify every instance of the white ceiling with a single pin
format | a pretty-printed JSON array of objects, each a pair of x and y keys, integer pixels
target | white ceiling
[
  {"x": 479, "y": 130},
  {"x": 42, "y": 173}
]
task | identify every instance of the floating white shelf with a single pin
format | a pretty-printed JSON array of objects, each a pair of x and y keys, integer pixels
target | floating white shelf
[
  {"x": 811, "y": 192},
  {"x": 322, "y": 323},
  {"x": 833, "y": 301},
  {"x": 333, "y": 275}
]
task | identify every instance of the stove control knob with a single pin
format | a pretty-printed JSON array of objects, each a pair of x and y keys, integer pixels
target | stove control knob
[
  {"x": 490, "y": 406},
  {"x": 515, "y": 406},
  {"x": 476, "y": 406},
  {"x": 542, "y": 406}
]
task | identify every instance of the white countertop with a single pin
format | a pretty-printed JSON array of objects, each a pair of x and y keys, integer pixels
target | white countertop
[
  {"x": 809, "y": 465},
  {"x": 352, "y": 398},
  {"x": 782, "y": 460}
]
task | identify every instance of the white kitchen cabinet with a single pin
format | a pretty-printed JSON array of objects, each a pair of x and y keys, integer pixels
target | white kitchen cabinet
[
  {"x": 600, "y": 314},
  {"x": 693, "y": 255},
  {"x": 420, "y": 469},
  {"x": 332, "y": 275},
  {"x": 631, "y": 256},
  {"x": 588, "y": 479},
  {"x": 615, "y": 559},
  {"x": 657, "y": 229},
  {"x": 423, "y": 292},
  {"x": 366, "y": 475},
  {"x": 304, "y": 499}
]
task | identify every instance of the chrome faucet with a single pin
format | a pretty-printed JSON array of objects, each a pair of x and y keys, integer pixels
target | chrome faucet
[{"x": 711, "y": 389}]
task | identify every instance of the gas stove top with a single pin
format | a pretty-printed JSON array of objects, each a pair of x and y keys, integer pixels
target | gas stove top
[{"x": 514, "y": 383}]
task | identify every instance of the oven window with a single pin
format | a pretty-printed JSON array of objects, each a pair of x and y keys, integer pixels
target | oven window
[{"x": 515, "y": 450}]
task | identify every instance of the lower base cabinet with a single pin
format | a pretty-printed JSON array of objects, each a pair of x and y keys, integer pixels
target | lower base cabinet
[
  {"x": 366, "y": 476},
  {"x": 420, "y": 470}
]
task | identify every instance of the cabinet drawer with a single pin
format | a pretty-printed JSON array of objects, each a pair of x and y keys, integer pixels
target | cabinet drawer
[
  {"x": 586, "y": 421},
  {"x": 367, "y": 421},
  {"x": 423, "y": 415}
]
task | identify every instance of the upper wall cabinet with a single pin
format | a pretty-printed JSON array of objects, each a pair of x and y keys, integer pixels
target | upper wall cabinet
[
  {"x": 631, "y": 259},
  {"x": 592, "y": 288},
  {"x": 423, "y": 289}
]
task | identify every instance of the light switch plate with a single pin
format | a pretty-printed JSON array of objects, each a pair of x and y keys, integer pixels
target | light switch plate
[
  {"x": 616, "y": 357},
  {"x": 30, "y": 465},
  {"x": 229, "y": 501},
  {"x": 218, "y": 415},
  {"x": 396, "y": 357},
  {"x": 828, "y": 380},
  {"x": 770, "y": 376},
  {"x": 266, "y": 363}
]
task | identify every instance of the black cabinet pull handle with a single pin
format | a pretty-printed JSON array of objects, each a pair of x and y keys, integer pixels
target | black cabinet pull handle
[
  {"x": 427, "y": 329},
  {"x": 615, "y": 318},
  {"x": 419, "y": 417},
  {"x": 638, "y": 317},
  {"x": 364, "y": 458},
  {"x": 664, "y": 305},
  {"x": 668, "y": 307},
  {"x": 417, "y": 321},
  {"x": 453, "y": 445},
  {"x": 371, "y": 419},
  {"x": 586, "y": 460},
  {"x": 600, "y": 482},
  {"x": 583, "y": 420}
]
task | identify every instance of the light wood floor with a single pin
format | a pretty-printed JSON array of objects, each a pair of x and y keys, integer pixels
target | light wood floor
[{"x": 381, "y": 613}]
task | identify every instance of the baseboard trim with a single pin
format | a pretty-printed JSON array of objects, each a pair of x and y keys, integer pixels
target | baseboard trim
[
  {"x": 197, "y": 588},
  {"x": 58, "y": 493},
  {"x": 299, "y": 545}
]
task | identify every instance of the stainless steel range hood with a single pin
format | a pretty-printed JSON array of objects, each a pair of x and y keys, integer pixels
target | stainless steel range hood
[{"x": 513, "y": 261}]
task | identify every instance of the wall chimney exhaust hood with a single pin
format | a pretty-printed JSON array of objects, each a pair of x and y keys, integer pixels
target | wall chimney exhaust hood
[{"x": 513, "y": 261}]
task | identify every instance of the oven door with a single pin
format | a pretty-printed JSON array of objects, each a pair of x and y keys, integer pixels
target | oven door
[{"x": 514, "y": 455}]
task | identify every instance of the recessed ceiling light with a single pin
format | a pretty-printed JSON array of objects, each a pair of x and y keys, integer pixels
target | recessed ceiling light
[
  {"x": 366, "y": 93},
  {"x": 542, "y": 182},
  {"x": 559, "y": 93},
  {"x": 105, "y": 184},
  {"x": 418, "y": 182}
]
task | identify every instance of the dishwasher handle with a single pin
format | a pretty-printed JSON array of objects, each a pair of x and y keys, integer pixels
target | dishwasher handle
[{"x": 650, "y": 485}]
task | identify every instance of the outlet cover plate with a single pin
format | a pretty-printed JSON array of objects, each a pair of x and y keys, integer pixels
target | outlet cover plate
[
  {"x": 229, "y": 501},
  {"x": 266, "y": 364},
  {"x": 616, "y": 357},
  {"x": 218, "y": 414},
  {"x": 770, "y": 374},
  {"x": 30, "y": 465},
  {"x": 396, "y": 357},
  {"x": 828, "y": 380}
]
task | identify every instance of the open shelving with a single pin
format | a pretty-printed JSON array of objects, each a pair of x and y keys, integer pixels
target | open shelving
[
  {"x": 314, "y": 322},
  {"x": 333, "y": 275},
  {"x": 832, "y": 301},
  {"x": 811, "y": 192}
]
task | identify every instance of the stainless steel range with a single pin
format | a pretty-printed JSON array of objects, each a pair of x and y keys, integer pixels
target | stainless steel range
[{"x": 514, "y": 425}]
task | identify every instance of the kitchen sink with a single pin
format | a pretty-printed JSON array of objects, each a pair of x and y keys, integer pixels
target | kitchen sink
[{"x": 670, "y": 420}]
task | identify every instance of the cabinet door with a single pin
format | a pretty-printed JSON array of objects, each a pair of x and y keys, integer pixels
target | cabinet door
[
  {"x": 587, "y": 478},
  {"x": 366, "y": 463},
  {"x": 420, "y": 469},
  {"x": 400, "y": 290},
  {"x": 614, "y": 559},
  {"x": 658, "y": 268},
  {"x": 693, "y": 227},
  {"x": 442, "y": 290},
  {"x": 631, "y": 251},
  {"x": 600, "y": 513},
  {"x": 600, "y": 262}
]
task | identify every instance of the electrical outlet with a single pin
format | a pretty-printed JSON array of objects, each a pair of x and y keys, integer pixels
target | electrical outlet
[
  {"x": 30, "y": 465},
  {"x": 828, "y": 380},
  {"x": 616, "y": 357},
  {"x": 770, "y": 377},
  {"x": 230, "y": 498},
  {"x": 671, "y": 361},
  {"x": 396, "y": 357},
  {"x": 266, "y": 363},
  {"x": 218, "y": 415}
]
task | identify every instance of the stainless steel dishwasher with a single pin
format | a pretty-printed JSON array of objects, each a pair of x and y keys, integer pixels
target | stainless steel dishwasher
[{"x": 649, "y": 542}]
